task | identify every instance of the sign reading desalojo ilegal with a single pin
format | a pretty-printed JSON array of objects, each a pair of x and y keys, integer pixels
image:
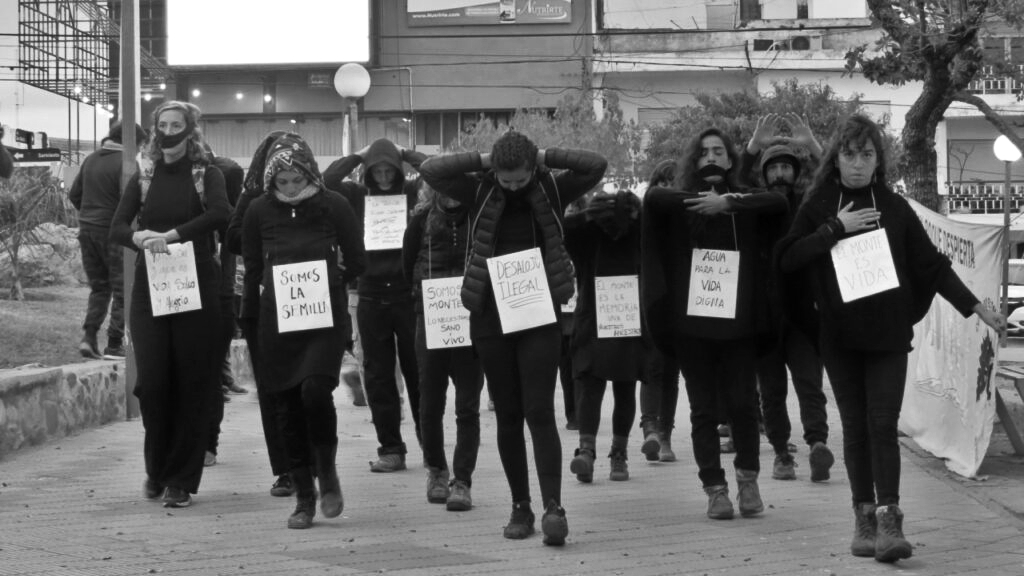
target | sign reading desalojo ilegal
[
  {"x": 617, "y": 306},
  {"x": 864, "y": 265},
  {"x": 714, "y": 280},
  {"x": 303, "y": 296},
  {"x": 521, "y": 291},
  {"x": 173, "y": 281},
  {"x": 385, "y": 222},
  {"x": 445, "y": 319}
]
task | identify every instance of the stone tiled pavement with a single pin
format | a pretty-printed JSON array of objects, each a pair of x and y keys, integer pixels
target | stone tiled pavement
[{"x": 74, "y": 507}]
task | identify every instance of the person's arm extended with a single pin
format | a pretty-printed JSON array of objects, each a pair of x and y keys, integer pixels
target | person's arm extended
[
  {"x": 411, "y": 244},
  {"x": 340, "y": 169},
  {"x": 582, "y": 170},
  {"x": 449, "y": 175},
  {"x": 252, "y": 257},
  {"x": 127, "y": 209},
  {"x": 350, "y": 239},
  {"x": 807, "y": 241},
  {"x": 413, "y": 158},
  {"x": 764, "y": 201}
]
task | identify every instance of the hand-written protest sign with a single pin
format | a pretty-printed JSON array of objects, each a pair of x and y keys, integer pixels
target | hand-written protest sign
[
  {"x": 521, "y": 291},
  {"x": 617, "y": 306},
  {"x": 864, "y": 265},
  {"x": 385, "y": 222},
  {"x": 173, "y": 281},
  {"x": 445, "y": 319},
  {"x": 714, "y": 280},
  {"x": 303, "y": 296}
]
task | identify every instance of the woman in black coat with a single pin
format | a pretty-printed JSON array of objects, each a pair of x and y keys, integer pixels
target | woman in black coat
[{"x": 291, "y": 236}]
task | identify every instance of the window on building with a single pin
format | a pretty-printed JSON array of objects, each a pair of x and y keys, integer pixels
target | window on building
[
  {"x": 750, "y": 10},
  {"x": 428, "y": 129}
]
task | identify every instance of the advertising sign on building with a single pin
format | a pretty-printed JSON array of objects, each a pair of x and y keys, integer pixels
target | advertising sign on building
[{"x": 484, "y": 12}]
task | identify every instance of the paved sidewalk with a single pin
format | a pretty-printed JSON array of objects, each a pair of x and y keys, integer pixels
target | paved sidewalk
[{"x": 74, "y": 507}]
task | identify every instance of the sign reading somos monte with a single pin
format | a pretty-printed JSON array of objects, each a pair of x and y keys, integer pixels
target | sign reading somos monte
[
  {"x": 484, "y": 12},
  {"x": 445, "y": 319}
]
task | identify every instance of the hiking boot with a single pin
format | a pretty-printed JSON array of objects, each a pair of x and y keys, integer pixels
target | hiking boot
[
  {"x": 88, "y": 347},
  {"x": 665, "y": 453},
  {"x": 747, "y": 493},
  {"x": 865, "y": 530},
  {"x": 114, "y": 350},
  {"x": 620, "y": 470},
  {"x": 282, "y": 486},
  {"x": 554, "y": 525},
  {"x": 388, "y": 463},
  {"x": 890, "y": 545},
  {"x": 821, "y": 461},
  {"x": 437, "y": 485},
  {"x": 651, "y": 445},
  {"x": 176, "y": 498},
  {"x": 233, "y": 388},
  {"x": 305, "y": 499},
  {"x": 520, "y": 524},
  {"x": 209, "y": 459},
  {"x": 784, "y": 467},
  {"x": 152, "y": 489},
  {"x": 582, "y": 465},
  {"x": 332, "y": 502},
  {"x": 460, "y": 499},
  {"x": 719, "y": 505},
  {"x": 350, "y": 376}
]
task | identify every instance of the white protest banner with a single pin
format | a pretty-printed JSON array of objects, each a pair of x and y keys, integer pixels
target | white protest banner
[
  {"x": 385, "y": 222},
  {"x": 863, "y": 265},
  {"x": 445, "y": 319},
  {"x": 714, "y": 280},
  {"x": 173, "y": 281},
  {"x": 949, "y": 404},
  {"x": 521, "y": 291},
  {"x": 617, "y": 306},
  {"x": 303, "y": 296}
]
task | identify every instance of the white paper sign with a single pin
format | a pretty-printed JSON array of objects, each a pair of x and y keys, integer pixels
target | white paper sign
[
  {"x": 864, "y": 265},
  {"x": 303, "y": 296},
  {"x": 617, "y": 306},
  {"x": 521, "y": 290},
  {"x": 445, "y": 318},
  {"x": 173, "y": 281},
  {"x": 714, "y": 280},
  {"x": 385, "y": 222}
]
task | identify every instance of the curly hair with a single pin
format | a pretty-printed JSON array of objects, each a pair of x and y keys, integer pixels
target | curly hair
[
  {"x": 853, "y": 133},
  {"x": 690, "y": 181},
  {"x": 513, "y": 150},
  {"x": 194, "y": 149}
]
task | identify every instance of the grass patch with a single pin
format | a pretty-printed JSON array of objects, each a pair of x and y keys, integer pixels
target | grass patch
[{"x": 45, "y": 328}]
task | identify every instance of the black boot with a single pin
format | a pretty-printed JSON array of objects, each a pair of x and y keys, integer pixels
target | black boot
[
  {"x": 305, "y": 499},
  {"x": 331, "y": 500},
  {"x": 890, "y": 545},
  {"x": 865, "y": 530}
]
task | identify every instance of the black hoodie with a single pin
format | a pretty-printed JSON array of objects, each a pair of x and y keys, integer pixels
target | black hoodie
[{"x": 96, "y": 190}]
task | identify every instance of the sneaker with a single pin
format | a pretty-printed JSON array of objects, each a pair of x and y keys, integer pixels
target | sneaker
[
  {"x": 719, "y": 505},
  {"x": 114, "y": 353},
  {"x": 784, "y": 467},
  {"x": 437, "y": 486},
  {"x": 520, "y": 524},
  {"x": 582, "y": 465},
  {"x": 233, "y": 388},
  {"x": 282, "y": 486},
  {"x": 210, "y": 459},
  {"x": 388, "y": 463},
  {"x": 554, "y": 525},
  {"x": 460, "y": 499},
  {"x": 821, "y": 462},
  {"x": 88, "y": 347},
  {"x": 620, "y": 470},
  {"x": 176, "y": 498},
  {"x": 152, "y": 489}
]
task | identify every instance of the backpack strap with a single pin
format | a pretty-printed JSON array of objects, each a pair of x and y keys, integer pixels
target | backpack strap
[{"x": 146, "y": 168}]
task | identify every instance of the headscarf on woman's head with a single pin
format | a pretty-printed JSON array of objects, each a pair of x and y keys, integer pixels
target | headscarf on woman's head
[{"x": 291, "y": 152}]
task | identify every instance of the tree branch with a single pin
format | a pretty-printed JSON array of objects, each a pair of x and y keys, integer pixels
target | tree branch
[{"x": 992, "y": 116}]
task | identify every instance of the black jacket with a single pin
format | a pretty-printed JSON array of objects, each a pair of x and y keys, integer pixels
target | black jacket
[{"x": 96, "y": 190}]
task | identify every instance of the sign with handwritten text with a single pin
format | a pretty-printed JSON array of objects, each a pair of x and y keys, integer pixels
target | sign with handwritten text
[
  {"x": 864, "y": 265},
  {"x": 173, "y": 281},
  {"x": 617, "y": 306},
  {"x": 521, "y": 291},
  {"x": 303, "y": 296},
  {"x": 385, "y": 222},
  {"x": 714, "y": 281},
  {"x": 445, "y": 319}
]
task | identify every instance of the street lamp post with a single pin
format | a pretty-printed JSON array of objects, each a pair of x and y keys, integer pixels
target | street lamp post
[
  {"x": 352, "y": 82},
  {"x": 1007, "y": 153}
]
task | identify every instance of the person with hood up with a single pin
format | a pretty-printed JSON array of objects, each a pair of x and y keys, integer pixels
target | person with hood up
[
  {"x": 517, "y": 195},
  {"x": 299, "y": 230},
  {"x": 386, "y": 313},
  {"x": 706, "y": 260}
]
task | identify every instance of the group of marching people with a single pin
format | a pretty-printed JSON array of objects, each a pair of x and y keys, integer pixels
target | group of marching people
[{"x": 727, "y": 258}]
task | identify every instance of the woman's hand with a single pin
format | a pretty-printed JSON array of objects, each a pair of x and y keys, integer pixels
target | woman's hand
[
  {"x": 157, "y": 241},
  {"x": 709, "y": 203},
  {"x": 994, "y": 319},
  {"x": 857, "y": 220},
  {"x": 139, "y": 238}
]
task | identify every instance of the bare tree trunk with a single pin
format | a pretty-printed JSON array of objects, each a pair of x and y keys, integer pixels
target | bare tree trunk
[{"x": 17, "y": 293}]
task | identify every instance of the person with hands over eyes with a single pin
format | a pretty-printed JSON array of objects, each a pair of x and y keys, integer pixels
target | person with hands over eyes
[{"x": 179, "y": 198}]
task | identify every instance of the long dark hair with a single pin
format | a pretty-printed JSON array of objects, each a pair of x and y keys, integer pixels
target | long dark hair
[
  {"x": 664, "y": 174},
  {"x": 429, "y": 201},
  {"x": 690, "y": 181},
  {"x": 853, "y": 132}
]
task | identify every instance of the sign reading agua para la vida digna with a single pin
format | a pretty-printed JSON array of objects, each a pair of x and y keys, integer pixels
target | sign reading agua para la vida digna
[
  {"x": 864, "y": 265},
  {"x": 173, "y": 281},
  {"x": 385, "y": 222},
  {"x": 618, "y": 306},
  {"x": 714, "y": 281},
  {"x": 302, "y": 296},
  {"x": 521, "y": 291},
  {"x": 445, "y": 319}
]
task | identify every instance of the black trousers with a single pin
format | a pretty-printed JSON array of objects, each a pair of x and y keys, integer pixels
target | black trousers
[
  {"x": 269, "y": 408},
  {"x": 592, "y": 396},
  {"x": 521, "y": 371},
  {"x": 869, "y": 387},
  {"x": 798, "y": 353},
  {"x": 463, "y": 367},
  {"x": 383, "y": 325},
  {"x": 570, "y": 392},
  {"x": 178, "y": 359},
  {"x": 659, "y": 393},
  {"x": 307, "y": 419},
  {"x": 726, "y": 367},
  {"x": 103, "y": 262},
  {"x": 226, "y": 296}
]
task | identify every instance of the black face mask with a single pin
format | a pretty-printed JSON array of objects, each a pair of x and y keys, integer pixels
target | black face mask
[
  {"x": 711, "y": 170},
  {"x": 173, "y": 140}
]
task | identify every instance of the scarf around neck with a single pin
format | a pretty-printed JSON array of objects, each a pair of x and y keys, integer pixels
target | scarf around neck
[{"x": 306, "y": 193}]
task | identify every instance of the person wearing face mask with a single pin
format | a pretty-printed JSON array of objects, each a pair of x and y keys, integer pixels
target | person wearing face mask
[
  {"x": 516, "y": 196},
  {"x": 780, "y": 169},
  {"x": 179, "y": 198},
  {"x": 865, "y": 337},
  {"x": 706, "y": 260},
  {"x": 385, "y": 315},
  {"x": 296, "y": 231}
]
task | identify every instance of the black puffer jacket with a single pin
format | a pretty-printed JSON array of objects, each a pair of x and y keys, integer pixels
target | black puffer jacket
[{"x": 440, "y": 253}]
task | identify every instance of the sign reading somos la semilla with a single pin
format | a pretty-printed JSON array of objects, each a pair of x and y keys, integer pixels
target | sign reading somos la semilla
[{"x": 303, "y": 296}]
